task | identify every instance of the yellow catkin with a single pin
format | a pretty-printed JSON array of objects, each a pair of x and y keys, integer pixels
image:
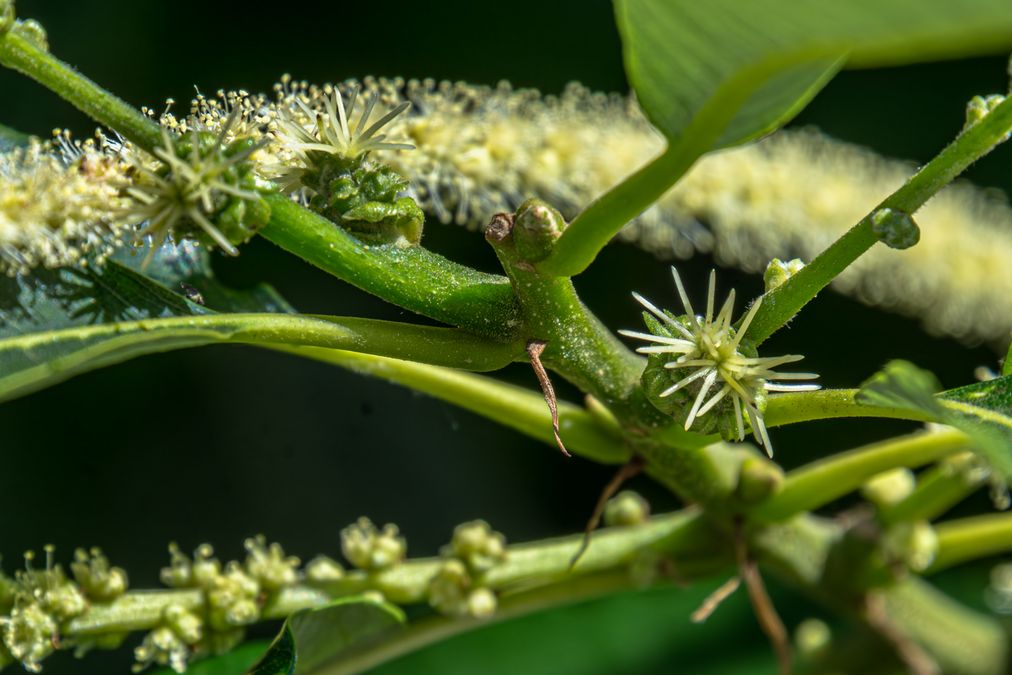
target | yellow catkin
[
  {"x": 56, "y": 208},
  {"x": 480, "y": 150}
]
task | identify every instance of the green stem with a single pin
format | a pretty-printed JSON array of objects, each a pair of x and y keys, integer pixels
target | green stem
[
  {"x": 822, "y": 481},
  {"x": 968, "y": 539},
  {"x": 782, "y": 409},
  {"x": 507, "y": 404},
  {"x": 21, "y": 55},
  {"x": 106, "y": 344},
  {"x": 784, "y": 302},
  {"x": 938, "y": 490},
  {"x": 409, "y": 277},
  {"x": 598, "y": 223}
]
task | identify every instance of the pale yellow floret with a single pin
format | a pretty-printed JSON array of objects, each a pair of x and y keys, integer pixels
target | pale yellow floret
[{"x": 57, "y": 208}]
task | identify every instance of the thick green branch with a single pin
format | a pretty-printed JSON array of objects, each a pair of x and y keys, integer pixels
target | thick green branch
[
  {"x": 785, "y": 301},
  {"x": 821, "y": 482},
  {"x": 409, "y": 277},
  {"x": 969, "y": 539}
]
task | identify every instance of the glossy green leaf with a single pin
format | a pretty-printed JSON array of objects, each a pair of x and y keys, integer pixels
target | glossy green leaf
[
  {"x": 313, "y": 638},
  {"x": 729, "y": 70},
  {"x": 983, "y": 411},
  {"x": 235, "y": 661}
]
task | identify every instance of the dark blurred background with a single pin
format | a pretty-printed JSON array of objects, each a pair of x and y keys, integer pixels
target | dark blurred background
[{"x": 221, "y": 443}]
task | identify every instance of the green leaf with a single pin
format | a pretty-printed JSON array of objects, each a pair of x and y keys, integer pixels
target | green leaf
[
  {"x": 983, "y": 411},
  {"x": 1006, "y": 366},
  {"x": 236, "y": 661},
  {"x": 313, "y": 638},
  {"x": 728, "y": 71}
]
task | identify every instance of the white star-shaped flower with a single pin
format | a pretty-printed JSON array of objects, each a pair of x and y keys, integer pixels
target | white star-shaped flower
[{"x": 707, "y": 351}]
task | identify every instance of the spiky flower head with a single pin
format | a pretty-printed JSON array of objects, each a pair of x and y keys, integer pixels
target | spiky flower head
[
  {"x": 692, "y": 357},
  {"x": 200, "y": 188}
]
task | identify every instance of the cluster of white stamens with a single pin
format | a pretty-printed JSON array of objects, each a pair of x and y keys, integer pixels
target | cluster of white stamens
[
  {"x": 709, "y": 347},
  {"x": 193, "y": 187}
]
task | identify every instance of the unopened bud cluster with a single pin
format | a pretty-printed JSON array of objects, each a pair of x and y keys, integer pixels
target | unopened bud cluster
[{"x": 456, "y": 589}]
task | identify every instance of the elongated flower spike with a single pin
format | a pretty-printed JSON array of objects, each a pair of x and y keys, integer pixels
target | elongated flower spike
[{"x": 692, "y": 356}]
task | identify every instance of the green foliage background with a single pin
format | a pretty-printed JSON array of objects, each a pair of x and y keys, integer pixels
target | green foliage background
[{"x": 220, "y": 443}]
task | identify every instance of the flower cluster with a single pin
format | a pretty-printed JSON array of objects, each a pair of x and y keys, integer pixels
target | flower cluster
[{"x": 696, "y": 356}]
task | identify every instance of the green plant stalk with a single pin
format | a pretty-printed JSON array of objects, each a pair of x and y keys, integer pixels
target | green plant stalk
[
  {"x": 23, "y": 56},
  {"x": 512, "y": 406},
  {"x": 784, "y": 302},
  {"x": 409, "y": 277},
  {"x": 117, "y": 342},
  {"x": 972, "y": 538},
  {"x": 542, "y": 564},
  {"x": 783, "y": 409},
  {"x": 822, "y": 481},
  {"x": 938, "y": 489},
  {"x": 592, "y": 229},
  {"x": 413, "y": 278}
]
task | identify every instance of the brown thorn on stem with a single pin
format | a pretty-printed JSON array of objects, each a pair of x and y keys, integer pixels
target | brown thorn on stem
[
  {"x": 762, "y": 605},
  {"x": 534, "y": 350},
  {"x": 916, "y": 660},
  {"x": 713, "y": 600},
  {"x": 625, "y": 472}
]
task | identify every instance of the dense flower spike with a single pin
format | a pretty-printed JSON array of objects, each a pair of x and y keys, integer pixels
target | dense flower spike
[
  {"x": 704, "y": 354},
  {"x": 57, "y": 207}
]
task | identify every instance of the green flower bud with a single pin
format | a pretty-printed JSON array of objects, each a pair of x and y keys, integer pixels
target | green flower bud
[
  {"x": 758, "y": 479},
  {"x": 921, "y": 546},
  {"x": 29, "y": 634},
  {"x": 367, "y": 548},
  {"x": 481, "y": 603},
  {"x": 812, "y": 637},
  {"x": 187, "y": 626},
  {"x": 626, "y": 508},
  {"x": 978, "y": 107},
  {"x": 477, "y": 545},
  {"x": 777, "y": 272},
  {"x": 7, "y": 16},
  {"x": 32, "y": 31},
  {"x": 322, "y": 570},
  {"x": 232, "y": 599},
  {"x": 889, "y": 487},
  {"x": 449, "y": 589},
  {"x": 269, "y": 566},
  {"x": 164, "y": 648},
  {"x": 894, "y": 228},
  {"x": 96, "y": 578},
  {"x": 184, "y": 573},
  {"x": 536, "y": 228}
]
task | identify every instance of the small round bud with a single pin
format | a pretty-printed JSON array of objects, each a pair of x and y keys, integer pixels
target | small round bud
[
  {"x": 778, "y": 271},
  {"x": 164, "y": 648},
  {"x": 758, "y": 479},
  {"x": 269, "y": 566},
  {"x": 367, "y": 548},
  {"x": 889, "y": 487},
  {"x": 322, "y": 569},
  {"x": 921, "y": 546},
  {"x": 812, "y": 637},
  {"x": 478, "y": 545},
  {"x": 232, "y": 599},
  {"x": 536, "y": 228},
  {"x": 894, "y": 228},
  {"x": 481, "y": 603},
  {"x": 626, "y": 508}
]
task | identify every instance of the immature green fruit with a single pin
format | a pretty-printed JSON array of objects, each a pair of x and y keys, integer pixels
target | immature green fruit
[
  {"x": 626, "y": 508},
  {"x": 895, "y": 229},
  {"x": 536, "y": 228}
]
